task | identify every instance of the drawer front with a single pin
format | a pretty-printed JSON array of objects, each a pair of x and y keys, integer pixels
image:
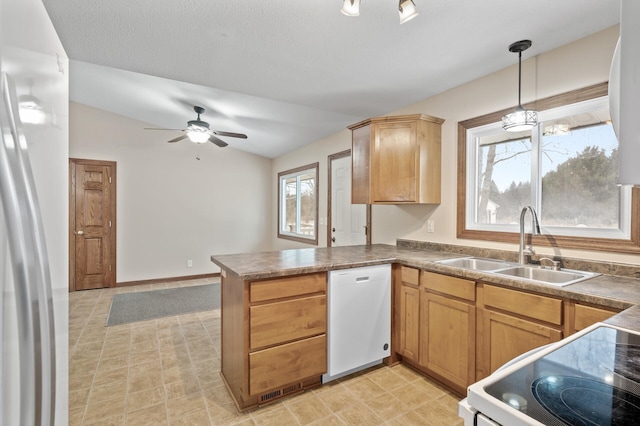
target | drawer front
[
  {"x": 457, "y": 287},
  {"x": 275, "y": 367},
  {"x": 410, "y": 275},
  {"x": 587, "y": 315},
  {"x": 280, "y": 288},
  {"x": 531, "y": 305},
  {"x": 279, "y": 322}
]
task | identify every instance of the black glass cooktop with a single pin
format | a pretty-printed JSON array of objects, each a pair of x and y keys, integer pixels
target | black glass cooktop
[{"x": 593, "y": 380}]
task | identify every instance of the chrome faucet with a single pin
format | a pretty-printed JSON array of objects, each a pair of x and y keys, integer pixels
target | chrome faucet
[{"x": 535, "y": 229}]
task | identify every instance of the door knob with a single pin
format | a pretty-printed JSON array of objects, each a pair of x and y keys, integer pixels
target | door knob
[
  {"x": 333, "y": 239},
  {"x": 80, "y": 233}
]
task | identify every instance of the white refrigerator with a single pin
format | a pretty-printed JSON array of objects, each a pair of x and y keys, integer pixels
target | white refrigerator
[{"x": 34, "y": 150}]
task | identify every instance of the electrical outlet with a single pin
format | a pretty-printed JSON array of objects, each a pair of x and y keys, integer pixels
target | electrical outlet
[
  {"x": 431, "y": 226},
  {"x": 189, "y": 263}
]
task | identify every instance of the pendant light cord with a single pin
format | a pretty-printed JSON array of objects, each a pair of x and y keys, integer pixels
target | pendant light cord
[{"x": 519, "y": 77}]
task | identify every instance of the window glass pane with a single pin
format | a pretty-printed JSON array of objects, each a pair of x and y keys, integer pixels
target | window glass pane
[
  {"x": 289, "y": 221},
  {"x": 504, "y": 178},
  {"x": 579, "y": 169},
  {"x": 307, "y": 204}
]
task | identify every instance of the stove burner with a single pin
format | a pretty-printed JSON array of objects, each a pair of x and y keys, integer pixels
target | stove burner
[{"x": 582, "y": 401}]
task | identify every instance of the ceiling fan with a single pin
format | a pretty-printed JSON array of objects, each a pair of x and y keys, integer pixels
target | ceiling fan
[{"x": 198, "y": 131}]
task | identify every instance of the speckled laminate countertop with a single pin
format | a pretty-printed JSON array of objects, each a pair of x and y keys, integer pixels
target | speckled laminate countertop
[{"x": 606, "y": 290}]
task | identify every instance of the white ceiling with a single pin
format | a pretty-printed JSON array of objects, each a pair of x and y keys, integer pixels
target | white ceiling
[{"x": 288, "y": 73}]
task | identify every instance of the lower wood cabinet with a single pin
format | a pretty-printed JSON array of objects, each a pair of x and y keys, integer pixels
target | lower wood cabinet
[
  {"x": 512, "y": 322},
  {"x": 274, "y": 340},
  {"x": 504, "y": 337},
  {"x": 447, "y": 336},
  {"x": 409, "y": 318}
]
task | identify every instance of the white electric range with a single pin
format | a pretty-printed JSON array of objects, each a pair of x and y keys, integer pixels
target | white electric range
[{"x": 590, "y": 378}]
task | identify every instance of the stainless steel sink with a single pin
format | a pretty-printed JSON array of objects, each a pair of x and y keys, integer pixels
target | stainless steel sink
[
  {"x": 559, "y": 278},
  {"x": 476, "y": 263}
]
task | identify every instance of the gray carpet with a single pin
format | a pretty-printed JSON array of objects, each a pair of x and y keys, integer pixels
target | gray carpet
[{"x": 146, "y": 305}]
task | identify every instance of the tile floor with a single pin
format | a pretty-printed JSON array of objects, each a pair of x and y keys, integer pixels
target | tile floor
[{"x": 166, "y": 372}]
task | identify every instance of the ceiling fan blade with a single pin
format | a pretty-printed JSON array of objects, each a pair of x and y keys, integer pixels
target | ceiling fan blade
[
  {"x": 179, "y": 138},
  {"x": 231, "y": 135},
  {"x": 217, "y": 141},
  {"x": 158, "y": 128}
]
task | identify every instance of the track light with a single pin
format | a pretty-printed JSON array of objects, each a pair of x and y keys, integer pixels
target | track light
[
  {"x": 521, "y": 119},
  {"x": 406, "y": 9},
  {"x": 351, "y": 7}
]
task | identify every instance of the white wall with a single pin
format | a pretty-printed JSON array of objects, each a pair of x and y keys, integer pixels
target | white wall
[
  {"x": 573, "y": 66},
  {"x": 172, "y": 207}
]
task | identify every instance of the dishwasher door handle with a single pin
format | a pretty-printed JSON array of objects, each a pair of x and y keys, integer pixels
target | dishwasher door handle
[{"x": 362, "y": 279}]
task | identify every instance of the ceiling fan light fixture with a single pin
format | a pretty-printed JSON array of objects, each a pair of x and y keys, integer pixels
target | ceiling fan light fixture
[
  {"x": 351, "y": 8},
  {"x": 521, "y": 119},
  {"x": 198, "y": 135},
  {"x": 407, "y": 10}
]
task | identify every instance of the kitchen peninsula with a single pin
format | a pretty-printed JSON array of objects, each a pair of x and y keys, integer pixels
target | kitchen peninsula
[{"x": 273, "y": 309}]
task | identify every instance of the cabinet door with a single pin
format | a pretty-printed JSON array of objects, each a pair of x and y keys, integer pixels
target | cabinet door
[
  {"x": 447, "y": 338},
  {"x": 409, "y": 322},
  {"x": 505, "y": 337},
  {"x": 395, "y": 162},
  {"x": 360, "y": 163}
]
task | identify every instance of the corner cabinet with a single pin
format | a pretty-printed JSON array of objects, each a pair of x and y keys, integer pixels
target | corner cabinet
[
  {"x": 396, "y": 160},
  {"x": 274, "y": 340}
]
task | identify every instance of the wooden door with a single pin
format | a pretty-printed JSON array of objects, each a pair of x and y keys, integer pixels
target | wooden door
[
  {"x": 447, "y": 339},
  {"x": 348, "y": 224},
  {"x": 409, "y": 305},
  {"x": 505, "y": 337},
  {"x": 92, "y": 215},
  {"x": 394, "y": 162}
]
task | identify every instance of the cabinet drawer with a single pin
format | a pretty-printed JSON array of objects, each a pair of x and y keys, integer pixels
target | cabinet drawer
[
  {"x": 285, "y": 364},
  {"x": 457, "y": 287},
  {"x": 531, "y": 305},
  {"x": 410, "y": 275},
  {"x": 280, "y": 322},
  {"x": 587, "y": 315},
  {"x": 280, "y": 288}
]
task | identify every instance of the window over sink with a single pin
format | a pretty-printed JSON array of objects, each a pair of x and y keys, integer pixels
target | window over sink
[
  {"x": 566, "y": 168},
  {"x": 298, "y": 204}
]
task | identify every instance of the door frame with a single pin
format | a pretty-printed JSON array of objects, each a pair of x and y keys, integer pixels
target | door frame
[
  {"x": 330, "y": 158},
  {"x": 72, "y": 217}
]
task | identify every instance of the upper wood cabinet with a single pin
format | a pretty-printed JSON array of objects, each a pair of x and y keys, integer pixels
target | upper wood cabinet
[{"x": 396, "y": 160}]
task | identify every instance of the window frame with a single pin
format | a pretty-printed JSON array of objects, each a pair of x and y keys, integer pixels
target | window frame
[
  {"x": 313, "y": 167},
  {"x": 628, "y": 245}
]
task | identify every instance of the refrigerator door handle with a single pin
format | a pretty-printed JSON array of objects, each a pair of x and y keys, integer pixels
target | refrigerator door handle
[{"x": 32, "y": 280}]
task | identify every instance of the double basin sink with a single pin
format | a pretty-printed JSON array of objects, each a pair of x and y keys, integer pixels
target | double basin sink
[{"x": 534, "y": 273}]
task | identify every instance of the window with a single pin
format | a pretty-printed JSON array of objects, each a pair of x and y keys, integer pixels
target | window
[
  {"x": 298, "y": 204},
  {"x": 566, "y": 168}
]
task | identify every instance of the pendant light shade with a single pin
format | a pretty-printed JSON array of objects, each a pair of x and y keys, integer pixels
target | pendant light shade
[
  {"x": 407, "y": 10},
  {"x": 521, "y": 119},
  {"x": 351, "y": 7}
]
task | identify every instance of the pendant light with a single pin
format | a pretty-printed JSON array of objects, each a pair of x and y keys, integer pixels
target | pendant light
[
  {"x": 407, "y": 10},
  {"x": 520, "y": 119},
  {"x": 351, "y": 7}
]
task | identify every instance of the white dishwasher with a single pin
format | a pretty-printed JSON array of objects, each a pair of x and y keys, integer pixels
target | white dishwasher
[{"x": 359, "y": 319}]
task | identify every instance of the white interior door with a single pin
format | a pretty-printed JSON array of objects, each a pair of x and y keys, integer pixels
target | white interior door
[{"x": 348, "y": 221}]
